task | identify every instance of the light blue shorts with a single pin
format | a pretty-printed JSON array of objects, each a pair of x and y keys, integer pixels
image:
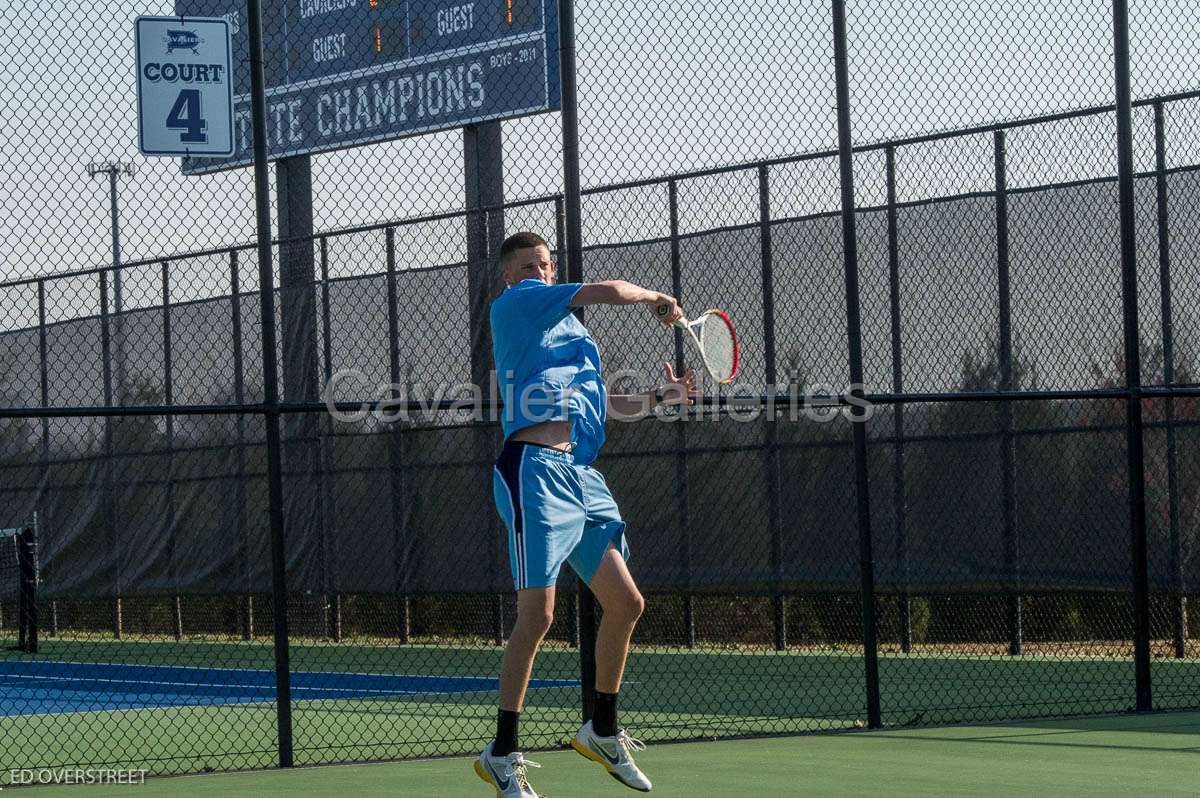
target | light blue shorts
[{"x": 556, "y": 511}]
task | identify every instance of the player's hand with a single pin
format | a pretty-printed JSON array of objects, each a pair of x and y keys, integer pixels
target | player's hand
[
  {"x": 666, "y": 309},
  {"x": 679, "y": 390}
]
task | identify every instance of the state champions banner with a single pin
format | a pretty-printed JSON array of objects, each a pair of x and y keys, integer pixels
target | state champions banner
[{"x": 344, "y": 73}]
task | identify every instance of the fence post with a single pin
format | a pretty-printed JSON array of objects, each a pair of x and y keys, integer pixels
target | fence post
[
  {"x": 262, "y": 197},
  {"x": 854, "y": 334},
  {"x": 1012, "y": 541},
  {"x": 246, "y": 603},
  {"x": 483, "y": 188},
  {"x": 44, "y": 395},
  {"x": 574, "y": 230},
  {"x": 778, "y": 606},
  {"x": 560, "y": 243},
  {"x": 899, "y": 494},
  {"x": 325, "y": 443},
  {"x": 399, "y": 505},
  {"x": 1133, "y": 365},
  {"x": 1178, "y": 601},
  {"x": 169, "y": 399},
  {"x": 109, "y": 500},
  {"x": 681, "y": 473},
  {"x": 43, "y": 373}
]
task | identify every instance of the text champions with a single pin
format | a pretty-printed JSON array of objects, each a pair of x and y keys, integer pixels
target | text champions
[{"x": 432, "y": 94}]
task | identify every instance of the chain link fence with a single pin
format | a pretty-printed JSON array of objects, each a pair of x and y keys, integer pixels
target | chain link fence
[{"x": 229, "y": 574}]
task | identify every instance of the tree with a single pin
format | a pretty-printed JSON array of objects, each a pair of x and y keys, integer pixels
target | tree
[
  {"x": 17, "y": 435},
  {"x": 1167, "y": 558}
]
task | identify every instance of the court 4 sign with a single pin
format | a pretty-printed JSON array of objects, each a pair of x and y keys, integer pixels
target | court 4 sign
[{"x": 185, "y": 86}]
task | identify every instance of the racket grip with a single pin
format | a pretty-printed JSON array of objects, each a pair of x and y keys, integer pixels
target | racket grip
[{"x": 664, "y": 309}]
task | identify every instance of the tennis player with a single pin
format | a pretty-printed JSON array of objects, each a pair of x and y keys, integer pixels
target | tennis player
[{"x": 556, "y": 506}]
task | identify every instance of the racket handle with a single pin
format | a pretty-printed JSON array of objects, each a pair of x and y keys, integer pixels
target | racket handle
[{"x": 663, "y": 310}]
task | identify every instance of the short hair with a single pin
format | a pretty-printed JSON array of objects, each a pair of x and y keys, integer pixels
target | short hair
[{"x": 523, "y": 240}]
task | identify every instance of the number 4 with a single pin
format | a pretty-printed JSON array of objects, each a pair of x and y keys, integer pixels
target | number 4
[{"x": 185, "y": 115}]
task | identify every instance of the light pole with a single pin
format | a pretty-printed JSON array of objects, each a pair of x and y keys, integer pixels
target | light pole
[{"x": 114, "y": 169}]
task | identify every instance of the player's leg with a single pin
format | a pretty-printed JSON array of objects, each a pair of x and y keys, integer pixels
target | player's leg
[
  {"x": 501, "y": 764},
  {"x": 622, "y": 603},
  {"x": 600, "y": 560},
  {"x": 539, "y": 499},
  {"x": 535, "y": 613}
]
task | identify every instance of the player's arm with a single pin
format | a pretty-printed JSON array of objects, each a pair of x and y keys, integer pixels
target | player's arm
[
  {"x": 620, "y": 292},
  {"x": 674, "y": 391}
]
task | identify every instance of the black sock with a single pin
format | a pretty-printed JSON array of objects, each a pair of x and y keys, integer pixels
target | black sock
[
  {"x": 604, "y": 719},
  {"x": 506, "y": 733}
]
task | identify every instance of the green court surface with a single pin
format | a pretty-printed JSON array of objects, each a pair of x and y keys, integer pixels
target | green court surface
[
  {"x": 1130, "y": 755},
  {"x": 670, "y": 695}
]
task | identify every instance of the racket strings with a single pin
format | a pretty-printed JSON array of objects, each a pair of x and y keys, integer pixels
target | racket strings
[{"x": 718, "y": 346}]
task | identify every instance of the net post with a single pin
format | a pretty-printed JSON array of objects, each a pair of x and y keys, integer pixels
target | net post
[
  {"x": 854, "y": 334},
  {"x": 899, "y": 492},
  {"x": 1178, "y": 601},
  {"x": 30, "y": 577},
  {"x": 262, "y": 196},
  {"x": 23, "y": 607},
  {"x": 1135, "y": 444},
  {"x": 1012, "y": 541},
  {"x": 14, "y": 538}
]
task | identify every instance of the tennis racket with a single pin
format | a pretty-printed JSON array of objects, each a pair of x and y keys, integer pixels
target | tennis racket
[{"x": 715, "y": 339}]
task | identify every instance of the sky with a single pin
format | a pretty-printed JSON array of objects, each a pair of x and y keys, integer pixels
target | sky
[{"x": 665, "y": 86}]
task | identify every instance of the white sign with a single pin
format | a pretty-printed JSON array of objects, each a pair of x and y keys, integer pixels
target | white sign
[{"x": 185, "y": 89}]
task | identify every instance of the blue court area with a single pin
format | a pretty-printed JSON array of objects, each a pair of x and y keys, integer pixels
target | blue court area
[{"x": 43, "y": 688}]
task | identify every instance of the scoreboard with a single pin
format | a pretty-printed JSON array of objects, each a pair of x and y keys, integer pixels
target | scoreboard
[{"x": 340, "y": 73}]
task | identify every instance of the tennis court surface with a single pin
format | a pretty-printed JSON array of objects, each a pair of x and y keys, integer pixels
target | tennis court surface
[
  {"x": 1121, "y": 755},
  {"x": 37, "y": 688},
  {"x": 416, "y": 701}
]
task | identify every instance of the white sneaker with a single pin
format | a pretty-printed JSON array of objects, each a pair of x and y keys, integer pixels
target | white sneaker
[
  {"x": 615, "y": 754},
  {"x": 506, "y": 773}
]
